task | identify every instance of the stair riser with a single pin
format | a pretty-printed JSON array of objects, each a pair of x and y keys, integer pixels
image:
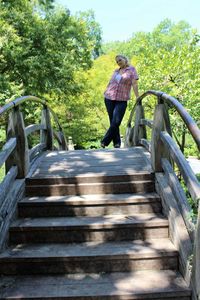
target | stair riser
[
  {"x": 110, "y": 188},
  {"x": 156, "y": 296},
  {"x": 89, "y": 265},
  {"x": 90, "y": 179},
  {"x": 53, "y": 235},
  {"x": 72, "y": 211},
  {"x": 93, "y": 297}
]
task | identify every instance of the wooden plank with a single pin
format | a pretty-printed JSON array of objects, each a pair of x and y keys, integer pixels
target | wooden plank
[
  {"x": 118, "y": 161},
  {"x": 7, "y": 183},
  {"x": 196, "y": 257},
  {"x": 7, "y": 150},
  {"x": 8, "y": 209},
  {"x": 87, "y": 171},
  {"x": 46, "y": 136},
  {"x": 180, "y": 196},
  {"x": 146, "y": 144},
  {"x": 139, "y": 130},
  {"x": 178, "y": 231},
  {"x": 184, "y": 167},
  {"x": 63, "y": 144},
  {"x": 34, "y": 127},
  {"x": 20, "y": 155},
  {"x": 161, "y": 122},
  {"x": 36, "y": 150},
  {"x": 146, "y": 122},
  {"x": 64, "y": 165},
  {"x": 156, "y": 145},
  {"x": 96, "y": 162},
  {"x": 129, "y": 136},
  {"x": 57, "y": 137},
  {"x": 35, "y": 163}
]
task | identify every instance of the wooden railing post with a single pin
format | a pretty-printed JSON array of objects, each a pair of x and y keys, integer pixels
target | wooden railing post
[
  {"x": 139, "y": 130},
  {"x": 20, "y": 156},
  {"x": 63, "y": 145},
  {"x": 46, "y": 136},
  {"x": 196, "y": 260},
  {"x": 161, "y": 122}
]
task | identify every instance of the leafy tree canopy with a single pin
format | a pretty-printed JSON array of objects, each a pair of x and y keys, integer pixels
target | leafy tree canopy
[
  {"x": 47, "y": 52},
  {"x": 41, "y": 48},
  {"x": 166, "y": 59}
]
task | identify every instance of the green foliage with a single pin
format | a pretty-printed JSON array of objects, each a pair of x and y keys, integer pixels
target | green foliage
[
  {"x": 2, "y": 173},
  {"x": 47, "y": 52},
  {"x": 40, "y": 50},
  {"x": 168, "y": 60},
  {"x": 43, "y": 52}
]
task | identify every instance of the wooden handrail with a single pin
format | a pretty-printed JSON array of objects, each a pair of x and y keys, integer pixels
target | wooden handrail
[
  {"x": 186, "y": 171},
  {"x": 23, "y": 99},
  {"x": 19, "y": 101},
  {"x": 196, "y": 258},
  {"x": 172, "y": 102},
  {"x": 15, "y": 151},
  {"x": 164, "y": 153}
]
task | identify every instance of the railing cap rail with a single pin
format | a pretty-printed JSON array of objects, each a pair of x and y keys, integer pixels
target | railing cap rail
[
  {"x": 19, "y": 101},
  {"x": 188, "y": 120},
  {"x": 23, "y": 99}
]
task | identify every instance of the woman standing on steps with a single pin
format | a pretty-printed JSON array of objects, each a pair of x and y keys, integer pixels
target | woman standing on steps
[{"x": 116, "y": 96}]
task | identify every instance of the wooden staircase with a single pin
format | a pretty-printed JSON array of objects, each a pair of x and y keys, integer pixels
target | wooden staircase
[{"x": 91, "y": 237}]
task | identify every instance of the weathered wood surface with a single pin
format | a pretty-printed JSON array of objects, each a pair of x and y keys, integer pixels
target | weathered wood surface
[
  {"x": 8, "y": 209},
  {"x": 93, "y": 162},
  {"x": 180, "y": 196},
  {"x": 186, "y": 171},
  {"x": 46, "y": 136},
  {"x": 146, "y": 144},
  {"x": 196, "y": 260},
  {"x": 178, "y": 231},
  {"x": 139, "y": 130},
  {"x": 35, "y": 150},
  {"x": 120, "y": 286},
  {"x": 146, "y": 122},
  {"x": 20, "y": 156},
  {"x": 157, "y": 148},
  {"x": 7, "y": 182},
  {"x": 129, "y": 136},
  {"x": 7, "y": 150},
  {"x": 34, "y": 127}
]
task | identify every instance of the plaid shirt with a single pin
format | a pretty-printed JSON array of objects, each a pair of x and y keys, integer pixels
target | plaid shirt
[{"x": 120, "y": 90}]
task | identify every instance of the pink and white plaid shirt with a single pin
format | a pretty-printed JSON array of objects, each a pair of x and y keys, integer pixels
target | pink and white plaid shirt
[{"x": 120, "y": 90}]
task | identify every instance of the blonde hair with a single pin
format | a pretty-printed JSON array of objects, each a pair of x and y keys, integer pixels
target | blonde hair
[{"x": 123, "y": 57}]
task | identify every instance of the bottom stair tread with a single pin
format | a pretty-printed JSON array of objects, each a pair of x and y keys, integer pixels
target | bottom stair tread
[{"x": 133, "y": 285}]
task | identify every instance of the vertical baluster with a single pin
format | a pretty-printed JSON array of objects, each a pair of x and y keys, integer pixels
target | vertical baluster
[
  {"x": 20, "y": 156},
  {"x": 139, "y": 130},
  {"x": 196, "y": 260},
  {"x": 46, "y": 135},
  {"x": 161, "y": 122},
  {"x": 63, "y": 145}
]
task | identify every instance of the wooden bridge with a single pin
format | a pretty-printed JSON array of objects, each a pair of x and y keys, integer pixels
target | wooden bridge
[{"x": 98, "y": 224}]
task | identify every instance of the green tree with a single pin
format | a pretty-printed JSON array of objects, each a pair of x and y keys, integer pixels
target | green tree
[
  {"x": 40, "y": 52},
  {"x": 166, "y": 59}
]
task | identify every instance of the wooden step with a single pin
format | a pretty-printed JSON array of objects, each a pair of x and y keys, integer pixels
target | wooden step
[
  {"x": 154, "y": 284},
  {"x": 89, "y": 205},
  {"x": 83, "y": 229},
  {"x": 89, "y": 257},
  {"x": 90, "y": 178},
  {"x": 91, "y": 188}
]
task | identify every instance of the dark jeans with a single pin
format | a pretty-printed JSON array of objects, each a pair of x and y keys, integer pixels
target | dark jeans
[{"x": 116, "y": 111}]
